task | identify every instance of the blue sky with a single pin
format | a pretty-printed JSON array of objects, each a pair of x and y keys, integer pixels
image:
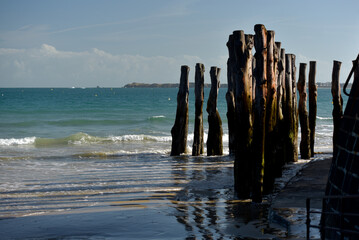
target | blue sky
[{"x": 86, "y": 43}]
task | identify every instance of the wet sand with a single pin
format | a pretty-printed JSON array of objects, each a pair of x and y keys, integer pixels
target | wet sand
[{"x": 202, "y": 207}]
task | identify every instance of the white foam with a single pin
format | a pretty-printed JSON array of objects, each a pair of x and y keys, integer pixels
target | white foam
[
  {"x": 17, "y": 141},
  {"x": 324, "y": 118},
  {"x": 141, "y": 137}
]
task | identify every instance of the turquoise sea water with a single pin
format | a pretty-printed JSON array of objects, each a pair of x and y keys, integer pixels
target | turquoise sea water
[
  {"x": 125, "y": 120},
  {"x": 65, "y": 150}
]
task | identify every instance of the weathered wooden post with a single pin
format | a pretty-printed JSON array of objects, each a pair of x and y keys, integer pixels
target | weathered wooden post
[
  {"x": 230, "y": 97},
  {"x": 271, "y": 112},
  {"x": 290, "y": 112},
  {"x": 295, "y": 114},
  {"x": 313, "y": 93},
  {"x": 280, "y": 81},
  {"x": 179, "y": 130},
  {"x": 243, "y": 45},
  {"x": 215, "y": 132},
  {"x": 303, "y": 113},
  {"x": 198, "y": 146},
  {"x": 271, "y": 115},
  {"x": 260, "y": 43},
  {"x": 281, "y": 105},
  {"x": 337, "y": 102}
]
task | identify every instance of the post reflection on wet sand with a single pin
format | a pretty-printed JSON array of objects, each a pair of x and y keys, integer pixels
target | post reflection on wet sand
[{"x": 207, "y": 206}]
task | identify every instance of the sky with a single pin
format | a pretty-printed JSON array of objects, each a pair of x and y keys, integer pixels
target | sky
[{"x": 110, "y": 43}]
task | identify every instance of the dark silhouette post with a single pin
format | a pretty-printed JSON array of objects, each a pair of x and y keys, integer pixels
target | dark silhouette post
[
  {"x": 243, "y": 45},
  {"x": 260, "y": 43},
  {"x": 271, "y": 136},
  {"x": 303, "y": 113},
  {"x": 337, "y": 102},
  {"x": 198, "y": 146},
  {"x": 215, "y": 132},
  {"x": 281, "y": 107},
  {"x": 230, "y": 98},
  {"x": 295, "y": 114},
  {"x": 313, "y": 93},
  {"x": 179, "y": 130}
]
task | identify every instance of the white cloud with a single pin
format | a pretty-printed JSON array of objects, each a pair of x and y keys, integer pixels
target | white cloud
[{"x": 49, "y": 67}]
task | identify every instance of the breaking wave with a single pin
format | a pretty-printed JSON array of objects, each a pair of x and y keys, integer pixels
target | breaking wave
[
  {"x": 81, "y": 139},
  {"x": 17, "y": 141},
  {"x": 324, "y": 118}
]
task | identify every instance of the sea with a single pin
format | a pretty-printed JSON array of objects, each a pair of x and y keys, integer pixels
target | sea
[{"x": 94, "y": 163}]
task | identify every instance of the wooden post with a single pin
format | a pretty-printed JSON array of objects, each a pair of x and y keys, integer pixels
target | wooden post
[
  {"x": 281, "y": 103},
  {"x": 243, "y": 45},
  {"x": 215, "y": 132},
  {"x": 337, "y": 102},
  {"x": 303, "y": 113},
  {"x": 271, "y": 115},
  {"x": 295, "y": 115},
  {"x": 290, "y": 111},
  {"x": 260, "y": 43},
  {"x": 313, "y": 93},
  {"x": 179, "y": 130},
  {"x": 198, "y": 146},
  {"x": 280, "y": 81},
  {"x": 271, "y": 112},
  {"x": 230, "y": 97}
]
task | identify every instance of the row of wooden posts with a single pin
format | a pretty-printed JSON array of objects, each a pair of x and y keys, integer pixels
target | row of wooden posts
[
  {"x": 180, "y": 128},
  {"x": 262, "y": 111}
]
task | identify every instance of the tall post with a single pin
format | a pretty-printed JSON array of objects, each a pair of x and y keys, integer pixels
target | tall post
[
  {"x": 198, "y": 146},
  {"x": 230, "y": 97},
  {"x": 280, "y": 81},
  {"x": 243, "y": 45},
  {"x": 260, "y": 43},
  {"x": 290, "y": 110},
  {"x": 179, "y": 130},
  {"x": 294, "y": 115},
  {"x": 337, "y": 102},
  {"x": 271, "y": 114},
  {"x": 215, "y": 132},
  {"x": 303, "y": 113},
  {"x": 313, "y": 93},
  {"x": 281, "y": 103}
]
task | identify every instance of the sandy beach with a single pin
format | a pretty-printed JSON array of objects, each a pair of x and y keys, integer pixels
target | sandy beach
[{"x": 203, "y": 207}]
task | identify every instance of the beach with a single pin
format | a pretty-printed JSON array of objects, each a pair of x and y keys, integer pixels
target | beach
[
  {"x": 96, "y": 164},
  {"x": 199, "y": 204}
]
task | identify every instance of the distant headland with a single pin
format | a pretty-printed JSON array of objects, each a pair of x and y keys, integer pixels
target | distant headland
[
  {"x": 163, "y": 85},
  {"x": 207, "y": 85}
]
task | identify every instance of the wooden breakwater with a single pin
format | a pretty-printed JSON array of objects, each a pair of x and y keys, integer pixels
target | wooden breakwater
[
  {"x": 265, "y": 110},
  {"x": 262, "y": 111}
]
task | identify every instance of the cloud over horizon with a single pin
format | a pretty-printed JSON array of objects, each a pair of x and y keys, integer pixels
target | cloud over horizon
[{"x": 49, "y": 67}]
